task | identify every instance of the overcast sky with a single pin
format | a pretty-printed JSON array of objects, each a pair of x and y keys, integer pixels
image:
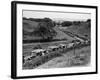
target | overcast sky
[{"x": 57, "y": 15}]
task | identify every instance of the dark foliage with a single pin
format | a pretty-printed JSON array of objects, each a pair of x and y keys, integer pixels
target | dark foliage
[
  {"x": 89, "y": 20},
  {"x": 45, "y": 31},
  {"x": 77, "y": 22},
  {"x": 89, "y": 23},
  {"x": 66, "y": 23}
]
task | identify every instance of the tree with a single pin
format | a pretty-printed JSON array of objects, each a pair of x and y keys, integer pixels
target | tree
[
  {"x": 88, "y": 20},
  {"x": 89, "y": 23},
  {"x": 49, "y": 22},
  {"x": 76, "y": 22},
  {"x": 45, "y": 31},
  {"x": 66, "y": 23}
]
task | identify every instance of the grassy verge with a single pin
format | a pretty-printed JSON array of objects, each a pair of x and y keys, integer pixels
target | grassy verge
[{"x": 81, "y": 57}]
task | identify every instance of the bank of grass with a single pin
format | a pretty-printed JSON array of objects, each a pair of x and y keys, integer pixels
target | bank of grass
[
  {"x": 65, "y": 58},
  {"x": 39, "y": 60},
  {"x": 82, "y": 29},
  {"x": 81, "y": 57}
]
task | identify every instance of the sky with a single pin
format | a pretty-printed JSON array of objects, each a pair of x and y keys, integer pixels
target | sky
[{"x": 57, "y": 15}]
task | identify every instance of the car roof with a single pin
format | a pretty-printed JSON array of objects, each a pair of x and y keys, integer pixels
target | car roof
[
  {"x": 38, "y": 50},
  {"x": 62, "y": 44},
  {"x": 27, "y": 57},
  {"x": 52, "y": 46}
]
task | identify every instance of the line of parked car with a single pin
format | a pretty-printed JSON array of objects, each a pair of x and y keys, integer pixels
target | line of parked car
[{"x": 43, "y": 52}]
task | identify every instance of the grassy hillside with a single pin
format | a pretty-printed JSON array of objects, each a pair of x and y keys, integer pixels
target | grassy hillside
[
  {"x": 28, "y": 29},
  {"x": 82, "y": 29}
]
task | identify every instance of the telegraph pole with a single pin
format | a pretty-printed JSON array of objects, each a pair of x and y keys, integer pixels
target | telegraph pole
[{"x": 74, "y": 47}]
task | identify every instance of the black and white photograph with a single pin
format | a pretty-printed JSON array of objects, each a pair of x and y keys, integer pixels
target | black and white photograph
[
  {"x": 56, "y": 39},
  {"x": 53, "y": 39}
]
